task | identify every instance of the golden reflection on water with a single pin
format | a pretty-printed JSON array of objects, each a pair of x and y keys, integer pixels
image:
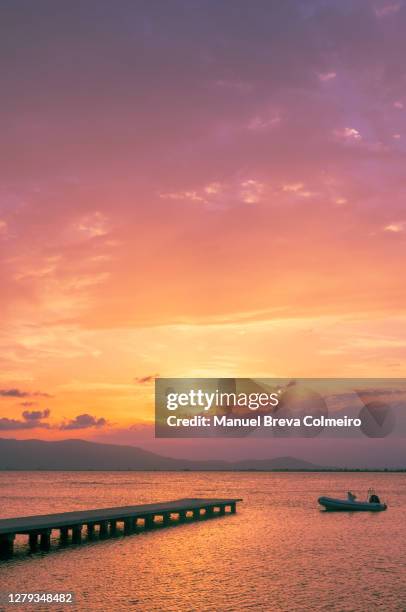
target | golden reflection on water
[{"x": 279, "y": 552}]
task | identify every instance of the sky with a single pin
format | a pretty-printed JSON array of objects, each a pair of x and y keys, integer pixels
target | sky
[{"x": 195, "y": 188}]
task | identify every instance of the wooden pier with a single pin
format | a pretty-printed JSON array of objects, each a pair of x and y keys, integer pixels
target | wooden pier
[{"x": 103, "y": 521}]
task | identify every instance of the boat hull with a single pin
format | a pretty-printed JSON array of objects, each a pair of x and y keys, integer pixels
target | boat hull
[{"x": 345, "y": 505}]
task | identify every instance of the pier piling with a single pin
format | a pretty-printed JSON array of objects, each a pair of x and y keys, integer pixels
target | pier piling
[
  {"x": 76, "y": 534},
  {"x": 45, "y": 539},
  {"x": 33, "y": 541},
  {"x": 64, "y": 535},
  {"x": 104, "y": 529},
  {"x": 149, "y": 521},
  {"x": 113, "y": 528},
  {"x": 6, "y": 545}
]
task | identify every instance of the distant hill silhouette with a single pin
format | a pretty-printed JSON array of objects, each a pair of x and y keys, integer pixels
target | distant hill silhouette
[{"x": 83, "y": 455}]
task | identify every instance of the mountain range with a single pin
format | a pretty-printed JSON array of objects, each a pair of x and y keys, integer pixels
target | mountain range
[{"x": 83, "y": 455}]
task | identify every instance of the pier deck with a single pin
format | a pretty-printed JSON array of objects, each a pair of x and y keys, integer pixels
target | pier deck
[{"x": 39, "y": 527}]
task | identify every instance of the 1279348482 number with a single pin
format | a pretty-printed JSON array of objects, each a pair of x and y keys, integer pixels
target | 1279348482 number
[{"x": 40, "y": 597}]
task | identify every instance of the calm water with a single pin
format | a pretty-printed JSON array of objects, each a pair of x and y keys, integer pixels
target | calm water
[{"x": 279, "y": 552}]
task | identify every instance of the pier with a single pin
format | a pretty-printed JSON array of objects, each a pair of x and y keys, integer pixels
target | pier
[{"x": 104, "y": 521}]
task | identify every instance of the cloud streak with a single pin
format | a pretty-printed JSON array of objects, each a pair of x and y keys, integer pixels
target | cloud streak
[
  {"x": 18, "y": 393},
  {"x": 84, "y": 421},
  {"x": 30, "y": 420},
  {"x": 146, "y": 379}
]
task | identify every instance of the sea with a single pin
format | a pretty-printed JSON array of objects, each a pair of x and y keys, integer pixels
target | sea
[{"x": 280, "y": 551}]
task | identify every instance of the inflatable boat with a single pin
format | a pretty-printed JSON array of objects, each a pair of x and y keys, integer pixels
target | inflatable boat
[{"x": 336, "y": 505}]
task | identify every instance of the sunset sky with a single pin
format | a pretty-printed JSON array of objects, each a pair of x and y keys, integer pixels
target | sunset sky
[{"x": 196, "y": 188}]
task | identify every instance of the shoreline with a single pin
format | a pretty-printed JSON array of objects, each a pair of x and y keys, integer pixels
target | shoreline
[{"x": 276, "y": 470}]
